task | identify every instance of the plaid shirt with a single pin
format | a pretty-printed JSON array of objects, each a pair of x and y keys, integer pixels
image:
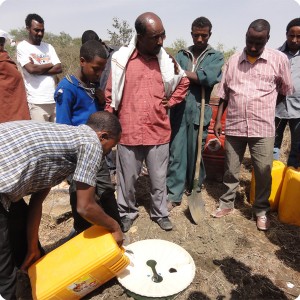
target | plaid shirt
[{"x": 36, "y": 156}]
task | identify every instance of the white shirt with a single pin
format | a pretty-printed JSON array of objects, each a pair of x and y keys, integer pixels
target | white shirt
[{"x": 40, "y": 88}]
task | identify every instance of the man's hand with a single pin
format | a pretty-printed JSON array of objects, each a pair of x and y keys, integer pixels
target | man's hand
[
  {"x": 100, "y": 96},
  {"x": 165, "y": 103},
  {"x": 118, "y": 236},
  {"x": 218, "y": 129},
  {"x": 30, "y": 259}
]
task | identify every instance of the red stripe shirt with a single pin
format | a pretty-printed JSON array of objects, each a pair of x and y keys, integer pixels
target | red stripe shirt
[
  {"x": 143, "y": 118},
  {"x": 251, "y": 91}
]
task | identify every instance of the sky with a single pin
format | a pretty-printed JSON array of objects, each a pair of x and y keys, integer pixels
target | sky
[{"x": 230, "y": 18}]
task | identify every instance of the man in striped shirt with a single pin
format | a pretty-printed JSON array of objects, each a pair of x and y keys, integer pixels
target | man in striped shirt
[
  {"x": 252, "y": 82},
  {"x": 36, "y": 156}
]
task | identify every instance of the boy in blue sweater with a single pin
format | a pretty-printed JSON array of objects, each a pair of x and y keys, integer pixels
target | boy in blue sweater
[{"x": 78, "y": 96}]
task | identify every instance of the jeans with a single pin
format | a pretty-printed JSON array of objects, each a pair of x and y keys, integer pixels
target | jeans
[{"x": 294, "y": 124}]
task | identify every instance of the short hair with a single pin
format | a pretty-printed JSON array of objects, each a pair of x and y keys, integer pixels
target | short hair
[
  {"x": 260, "y": 25},
  {"x": 89, "y": 35},
  {"x": 32, "y": 17},
  {"x": 294, "y": 22},
  {"x": 202, "y": 22},
  {"x": 90, "y": 49},
  {"x": 104, "y": 120}
]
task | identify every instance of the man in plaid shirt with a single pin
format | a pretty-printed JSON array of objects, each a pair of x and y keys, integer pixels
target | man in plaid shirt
[{"x": 36, "y": 156}]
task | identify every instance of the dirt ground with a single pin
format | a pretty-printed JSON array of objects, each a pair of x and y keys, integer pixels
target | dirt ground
[{"x": 233, "y": 259}]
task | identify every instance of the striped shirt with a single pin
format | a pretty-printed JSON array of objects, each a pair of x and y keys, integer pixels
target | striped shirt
[
  {"x": 251, "y": 91},
  {"x": 36, "y": 156}
]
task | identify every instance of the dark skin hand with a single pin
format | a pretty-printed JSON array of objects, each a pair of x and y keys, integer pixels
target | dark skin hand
[
  {"x": 218, "y": 125},
  {"x": 34, "y": 219},
  {"x": 43, "y": 69},
  {"x": 93, "y": 213}
]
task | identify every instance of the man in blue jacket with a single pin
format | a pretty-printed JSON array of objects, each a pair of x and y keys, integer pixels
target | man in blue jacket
[{"x": 202, "y": 65}]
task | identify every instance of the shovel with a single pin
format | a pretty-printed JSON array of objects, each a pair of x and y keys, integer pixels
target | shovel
[{"x": 195, "y": 201}]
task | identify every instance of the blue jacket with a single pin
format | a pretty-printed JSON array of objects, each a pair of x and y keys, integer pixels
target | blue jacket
[{"x": 74, "y": 103}]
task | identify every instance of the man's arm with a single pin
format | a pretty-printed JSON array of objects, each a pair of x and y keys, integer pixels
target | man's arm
[
  {"x": 179, "y": 93},
  {"x": 218, "y": 125},
  {"x": 33, "y": 223},
  {"x": 93, "y": 213},
  {"x": 209, "y": 73},
  {"x": 44, "y": 69}
]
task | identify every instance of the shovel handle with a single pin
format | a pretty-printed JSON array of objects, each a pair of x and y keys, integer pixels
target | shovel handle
[{"x": 200, "y": 134}]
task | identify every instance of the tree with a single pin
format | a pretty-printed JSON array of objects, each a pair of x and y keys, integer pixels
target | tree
[
  {"x": 178, "y": 45},
  {"x": 122, "y": 34},
  {"x": 227, "y": 53}
]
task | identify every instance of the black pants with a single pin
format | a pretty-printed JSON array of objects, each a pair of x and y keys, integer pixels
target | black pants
[
  {"x": 13, "y": 246},
  {"x": 105, "y": 192}
]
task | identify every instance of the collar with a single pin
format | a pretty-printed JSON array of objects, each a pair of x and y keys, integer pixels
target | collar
[
  {"x": 284, "y": 48},
  {"x": 243, "y": 56}
]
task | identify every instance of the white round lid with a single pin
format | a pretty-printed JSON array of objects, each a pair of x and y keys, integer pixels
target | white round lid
[{"x": 173, "y": 263}]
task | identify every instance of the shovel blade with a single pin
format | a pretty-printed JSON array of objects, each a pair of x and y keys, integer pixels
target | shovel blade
[{"x": 196, "y": 206}]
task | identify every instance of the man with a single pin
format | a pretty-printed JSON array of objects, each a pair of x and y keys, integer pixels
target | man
[
  {"x": 40, "y": 66},
  {"x": 288, "y": 111},
  {"x": 77, "y": 97},
  {"x": 202, "y": 65},
  {"x": 145, "y": 82},
  {"x": 36, "y": 156},
  {"x": 13, "y": 100},
  {"x": 250, "y": 84}
]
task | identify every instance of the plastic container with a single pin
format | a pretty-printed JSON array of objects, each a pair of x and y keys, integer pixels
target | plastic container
[
  {"x": 278, "y": 171},
  {"x": 77, "y": 267},
  {"x": 289, "y": 203},
  {"x": 214, "y": 152}
]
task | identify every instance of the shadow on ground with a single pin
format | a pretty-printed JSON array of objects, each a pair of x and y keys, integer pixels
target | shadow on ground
[{"x": 247, "y": 284}]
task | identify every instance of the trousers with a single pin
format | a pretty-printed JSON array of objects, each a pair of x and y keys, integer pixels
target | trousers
[
  {"x": 261, "y": 150},
  {"x": 129, "y": 164},
  {"x": 294, "y": 124}
]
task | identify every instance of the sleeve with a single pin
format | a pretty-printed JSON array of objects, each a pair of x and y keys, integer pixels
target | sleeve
[
  {"x": 64, "y": 99},
  {"x": 54, "y": 58},
  {"x": 180, "y": 92},
  {"x": 108, "y": 90},
  {"x": 88, "y": 163},
  {"x": 210, "y": 72},
  {"x": 285, "y": 85},
  {"x": 222, "y": 90},
  {"x": 22, "y": 55}
]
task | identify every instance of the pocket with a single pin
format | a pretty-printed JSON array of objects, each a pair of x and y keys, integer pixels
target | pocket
[
  {"x": 265, "y": 82},
  {"x": 207, "y": 114}
]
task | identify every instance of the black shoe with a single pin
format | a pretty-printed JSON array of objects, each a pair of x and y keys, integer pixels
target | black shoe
[
  {"x": 126, "y": 223},
  {"x": 164, "y": 223}
]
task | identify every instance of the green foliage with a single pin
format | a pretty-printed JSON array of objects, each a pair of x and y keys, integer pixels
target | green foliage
[
  {"x": 122, "y": 34},
  {"x": 179, "y": 44},
  {"x": 227, "y": 53}
]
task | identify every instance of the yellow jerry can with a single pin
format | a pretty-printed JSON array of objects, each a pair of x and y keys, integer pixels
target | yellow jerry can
[
  {"x": 278, "y": 171},
  {"x": 289, "y": 203},
  {"x": 77, "y": 267}
]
